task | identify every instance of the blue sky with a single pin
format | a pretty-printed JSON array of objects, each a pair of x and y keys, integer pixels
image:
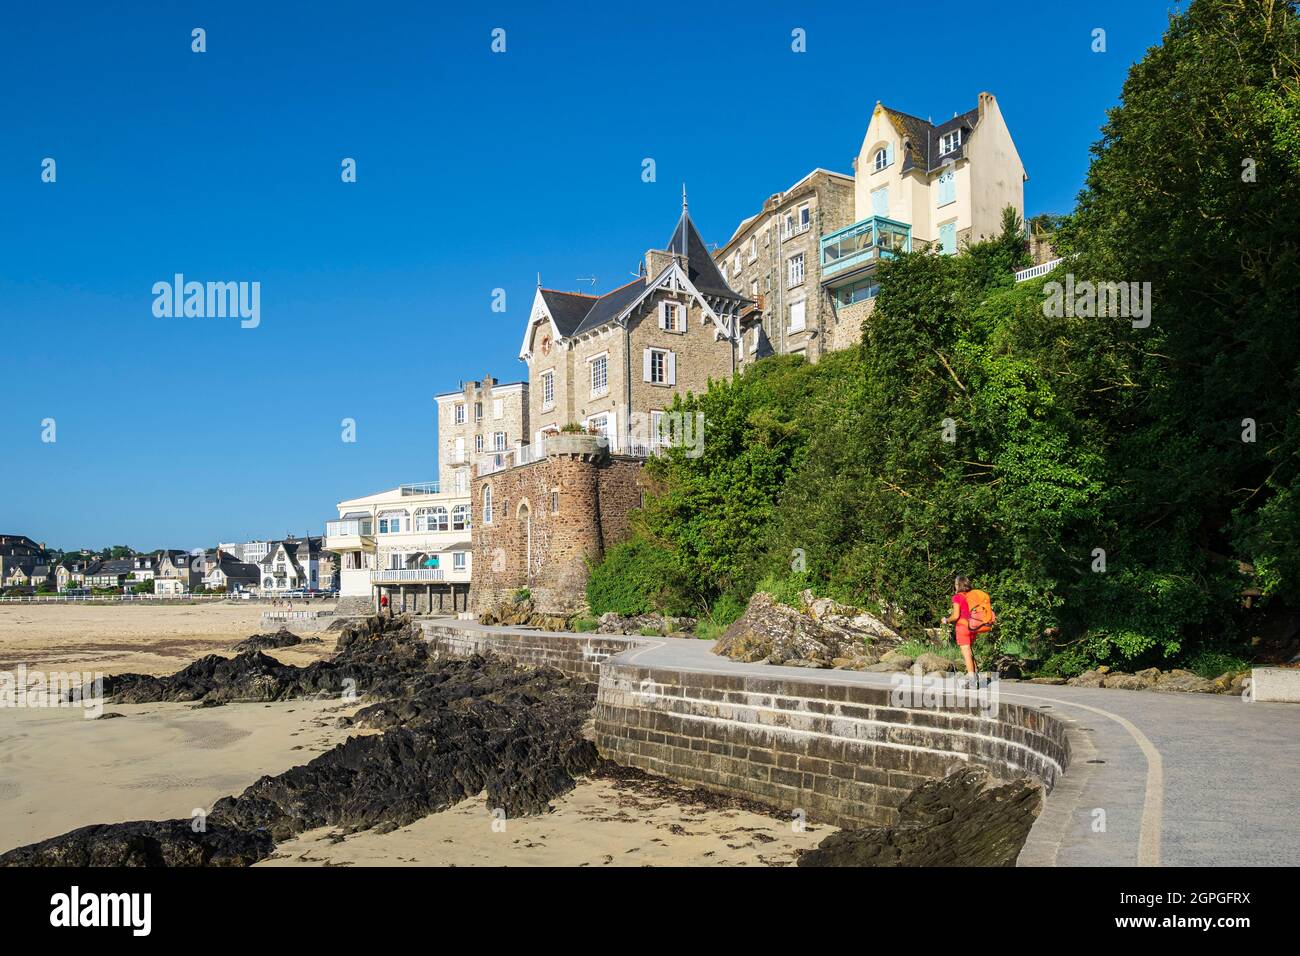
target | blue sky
[{"x": 475, "y": 171}]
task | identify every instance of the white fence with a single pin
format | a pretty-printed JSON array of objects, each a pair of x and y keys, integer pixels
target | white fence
[
  {"x": 148, "y": 598},
  {"x": 1033, "y": 272},
  {"x": 406, "y": 575}
]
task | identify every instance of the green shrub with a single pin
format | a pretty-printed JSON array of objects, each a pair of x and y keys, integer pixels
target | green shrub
[
  {"x": 521, "y": 595},
  {"x": 636, "y": 577},
  {"x": 584, "y": 625},
  {"x": 650, "y": 632}
]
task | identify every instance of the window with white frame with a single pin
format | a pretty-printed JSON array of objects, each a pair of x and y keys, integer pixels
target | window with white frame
[
  {"x": 499, "y": 441},
  {"x": 881, "y": 160},
  {"x": 599, "y": 424},
  {"x": 753, "y": 248},
  {"x": 487, "y": 504},
  {"x": 794, "y": 271},
  {"x": 949, "y": 142},
  {"x": 478, "y": 411},
  {"x": 672, "y": 316},
  {"x": 548, "y": 389},
  {"x": 458, "y": 560},
  {"x": 735, "y": 262},
  {"x": 498, "y": 408},
  {"x": 460, "y": 413},
  {"x": 431, "y": 519},
  {"x": 390, "y": 522},
  {"x": 660, "y": 367},
  {"x": 797, "y": 313},
  {"x": 599, "y": 374},
  {"x": 460, "y": 518},
  {"x": 805, "y": 217},
  {"x": 787, "y": 226},
  {"x": 478, "y": 443},
  {"x": 753, "y": 289}
]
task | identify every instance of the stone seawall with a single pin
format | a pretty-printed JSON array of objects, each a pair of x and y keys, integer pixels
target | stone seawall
[
  {"x": 839, "y": 749},
  {"x": 844, "y": 753}
]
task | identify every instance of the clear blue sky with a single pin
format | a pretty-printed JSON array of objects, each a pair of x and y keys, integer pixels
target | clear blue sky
[{"x": 475, "y": 171}]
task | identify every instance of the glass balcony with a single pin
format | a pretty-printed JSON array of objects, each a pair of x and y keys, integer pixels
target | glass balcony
[
  {"x": 862, "y": 243},
  {"x": 420, "y": 488},
  {"x": 352, "y": 528}
]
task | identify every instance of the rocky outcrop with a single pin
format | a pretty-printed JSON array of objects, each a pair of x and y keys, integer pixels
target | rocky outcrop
[
  {"x": 281, "y": 638},
  {"x": 146, "y": 843},
  {"x": 969, "y": 818},
  {"x": 447, "y": 730},
  {"x": 615, "y": 623},
  {"x": 1152, "y": 678},
  {"x": 523, "y": 614},
  {"x": 820, "y": 633}
]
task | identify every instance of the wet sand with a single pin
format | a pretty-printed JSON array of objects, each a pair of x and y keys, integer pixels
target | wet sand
[{"x": 59, "y": 770}]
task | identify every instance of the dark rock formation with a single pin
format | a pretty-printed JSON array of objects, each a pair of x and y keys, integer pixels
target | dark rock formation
[
  {"x": 819, "y": 634},
  {"x": 447, "y": 730},
  {"x": 145, "y": 843},
  {"x": 281, "y": 638},
  {"x": 1152, "y": 678},
  {"x": 966, "y": 819}
]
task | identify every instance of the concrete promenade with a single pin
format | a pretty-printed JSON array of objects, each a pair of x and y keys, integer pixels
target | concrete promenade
[{"x": 1154, "y": 778}]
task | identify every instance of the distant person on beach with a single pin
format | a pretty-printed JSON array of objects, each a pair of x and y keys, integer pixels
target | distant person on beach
[
  {"x": 972, "y": 612},
  {"x": 383, "y": 604}
]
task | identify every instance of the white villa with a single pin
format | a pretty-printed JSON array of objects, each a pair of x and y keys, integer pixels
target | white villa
[{"x": 411, "y": 544}]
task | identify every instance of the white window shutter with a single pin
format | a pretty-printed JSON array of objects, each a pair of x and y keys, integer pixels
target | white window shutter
[
  {"x": 889, "y": 154},
  {"x": 645, "y": 366},
  {"x": 663, "y": 315},
  {"x": 672, "y": 368}
]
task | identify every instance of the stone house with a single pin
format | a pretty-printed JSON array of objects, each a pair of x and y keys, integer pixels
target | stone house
[
  {"x": 613, "y": 363},
  {"x": 485, "y": 416},
  {"x": 19, "y": 550},
  {"x": 292, "y": 563},
  {"x": 773, "y": 258},
  {"x": 177, "y": 572}
]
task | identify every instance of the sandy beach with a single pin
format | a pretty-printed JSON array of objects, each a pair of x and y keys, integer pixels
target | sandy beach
[
  {"x": 59, "y": 770},
  {"x": 137, "y": 638}
]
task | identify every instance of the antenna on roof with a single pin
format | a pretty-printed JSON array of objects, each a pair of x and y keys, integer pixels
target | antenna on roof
[
  {"x": 591, "y": 279},
  {"x": 683, "y": 197}
]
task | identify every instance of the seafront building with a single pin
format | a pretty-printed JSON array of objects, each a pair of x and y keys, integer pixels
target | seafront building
[{"x": 410, "y": 544}]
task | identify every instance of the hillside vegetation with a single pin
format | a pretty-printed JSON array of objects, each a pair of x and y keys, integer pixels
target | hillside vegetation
[{"x": 1116, "y": 488}]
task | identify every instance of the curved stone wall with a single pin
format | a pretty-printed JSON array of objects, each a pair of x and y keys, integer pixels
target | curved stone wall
[{"x": 838, "y": 747}]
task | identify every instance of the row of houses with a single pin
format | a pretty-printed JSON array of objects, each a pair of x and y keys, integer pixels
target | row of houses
[
  {"x": 276, "y": 567},
  {"x": 537, "y": 477}
]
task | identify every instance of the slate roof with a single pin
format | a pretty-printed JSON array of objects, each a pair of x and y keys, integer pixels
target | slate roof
[
  {"x": 924, "y": 137},
  {"x": 568, "y": 309},
  {"x": 575, "y": 313}
]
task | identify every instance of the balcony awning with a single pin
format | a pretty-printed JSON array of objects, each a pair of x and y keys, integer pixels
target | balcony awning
[{"x": 354, "y": 515}]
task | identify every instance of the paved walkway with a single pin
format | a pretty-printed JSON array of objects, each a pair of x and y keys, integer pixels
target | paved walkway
[{"x": 1155, "y": 779}]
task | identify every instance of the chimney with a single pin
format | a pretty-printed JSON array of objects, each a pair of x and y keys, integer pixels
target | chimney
[{"x": 656, "y": 261}]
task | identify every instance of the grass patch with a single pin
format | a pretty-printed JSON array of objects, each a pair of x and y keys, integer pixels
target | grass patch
[
  {"x": 915, "y": 648},
  {"x": 585, "y": 625},
  {"x": 1210, "y": 664}
]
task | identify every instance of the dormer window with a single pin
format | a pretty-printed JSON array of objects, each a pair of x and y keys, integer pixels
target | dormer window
[
  {"x": 949, "y": 142},
  {"x": 882, "y": 159}
]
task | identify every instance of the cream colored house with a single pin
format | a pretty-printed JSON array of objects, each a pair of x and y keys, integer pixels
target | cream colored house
[
  {"x": 920, "y": 184},
  {"x": 411, "y": 544}
]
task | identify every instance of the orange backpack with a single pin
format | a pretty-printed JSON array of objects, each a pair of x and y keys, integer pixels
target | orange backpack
[{"x": 981, "y": 611}]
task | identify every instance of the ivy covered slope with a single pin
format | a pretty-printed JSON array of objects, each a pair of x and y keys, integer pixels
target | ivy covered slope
[{"x": 1091, "y": 475}]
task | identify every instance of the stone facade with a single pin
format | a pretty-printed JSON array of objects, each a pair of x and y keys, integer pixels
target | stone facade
[
  {"x": 611, "y": 362},
  {"x": 482, "y": 417},
  {"x": 757, "y": 262},
  {"x": 539, "y": 525}
]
